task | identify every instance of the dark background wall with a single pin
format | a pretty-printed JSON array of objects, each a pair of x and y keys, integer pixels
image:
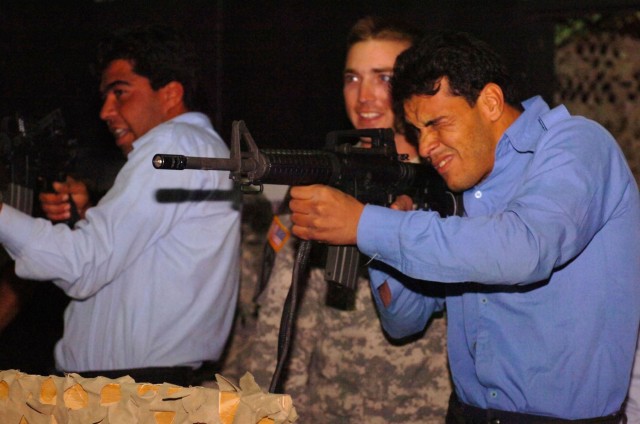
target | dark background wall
[
  {"x": 283, "y": 61},
  {"x": 276, "y": 65}
]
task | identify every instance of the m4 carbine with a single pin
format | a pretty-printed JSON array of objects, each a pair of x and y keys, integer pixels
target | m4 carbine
[{"x": 374, "y": 174}]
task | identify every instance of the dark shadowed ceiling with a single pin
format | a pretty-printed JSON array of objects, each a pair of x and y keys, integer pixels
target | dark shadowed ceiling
[{"x": 275, "y": 65}]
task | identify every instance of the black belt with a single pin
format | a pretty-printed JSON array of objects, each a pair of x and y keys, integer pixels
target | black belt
[
  {"x": 461, "y": 413},
  {"x": 180, "y": 376}
]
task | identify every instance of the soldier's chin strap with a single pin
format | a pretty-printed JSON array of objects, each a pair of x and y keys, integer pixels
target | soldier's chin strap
[{"x": 289, "y": 314}]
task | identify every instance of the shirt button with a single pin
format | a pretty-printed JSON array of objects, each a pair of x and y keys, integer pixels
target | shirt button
[
  {"x": 484, "y": 300},
  {"x": 493, "y": 394},
  {"x": 477, "y": 194}
]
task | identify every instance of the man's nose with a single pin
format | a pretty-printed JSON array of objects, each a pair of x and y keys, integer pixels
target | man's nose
[
  {"x": 366, "y": 92},
  {"x": 427, "y": 143},
  {"x": 107, "y": 109}
]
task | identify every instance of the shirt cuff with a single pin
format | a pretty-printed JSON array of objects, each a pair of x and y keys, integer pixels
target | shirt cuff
[
  {"x": 15, "y": 228},
  {"x": 378, "y": 231}
]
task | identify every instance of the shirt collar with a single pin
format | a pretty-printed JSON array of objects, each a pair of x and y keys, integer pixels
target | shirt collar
[
  {"x": 525, "y": 131},
  {"x": 521, "y": 137},
  {"x": 193, "y": 118}
]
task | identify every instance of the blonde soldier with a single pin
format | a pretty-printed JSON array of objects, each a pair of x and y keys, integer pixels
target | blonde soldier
[{"x": 342, "y": 368}]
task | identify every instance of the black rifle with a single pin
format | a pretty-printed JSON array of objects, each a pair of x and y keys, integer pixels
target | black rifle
[
  {"x": 375, "y": 175},
  {"x": 34, "y": 154}
]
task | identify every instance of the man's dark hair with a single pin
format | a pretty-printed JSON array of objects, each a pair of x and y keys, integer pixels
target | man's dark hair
[
  {"x": 468, "y": 64},
  {"x": 157, "y": 52}
]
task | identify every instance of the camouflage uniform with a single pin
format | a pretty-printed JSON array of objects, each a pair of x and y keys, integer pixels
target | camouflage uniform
[
  {"x": 256, "y": 217},
  {"x": 342, "y": 369}
]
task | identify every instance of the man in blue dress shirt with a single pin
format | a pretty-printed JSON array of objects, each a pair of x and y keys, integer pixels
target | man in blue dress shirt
[{"x": 542, "y": 273}]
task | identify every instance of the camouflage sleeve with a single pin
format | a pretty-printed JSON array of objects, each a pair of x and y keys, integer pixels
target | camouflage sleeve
[
  {"x": 309, "y": 328},
  {"x": 256, "y": 216},
  {"x": 270, "y": 304}
]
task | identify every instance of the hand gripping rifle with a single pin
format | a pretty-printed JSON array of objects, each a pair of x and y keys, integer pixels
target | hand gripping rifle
[{"x": 375, "y": 175}]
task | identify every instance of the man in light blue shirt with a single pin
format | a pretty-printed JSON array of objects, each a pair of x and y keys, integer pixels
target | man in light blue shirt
[
  {"x": 542, "y": 275},
  {"x": 153, "y": 283}
]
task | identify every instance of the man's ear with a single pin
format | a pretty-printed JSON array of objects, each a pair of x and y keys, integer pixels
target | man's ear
[
  {"x": 173, "y": 96},
  {"x": 491, "y": 100}
]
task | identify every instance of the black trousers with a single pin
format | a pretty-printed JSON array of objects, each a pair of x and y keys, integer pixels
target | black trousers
[{"x": 460, "y": 413}]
